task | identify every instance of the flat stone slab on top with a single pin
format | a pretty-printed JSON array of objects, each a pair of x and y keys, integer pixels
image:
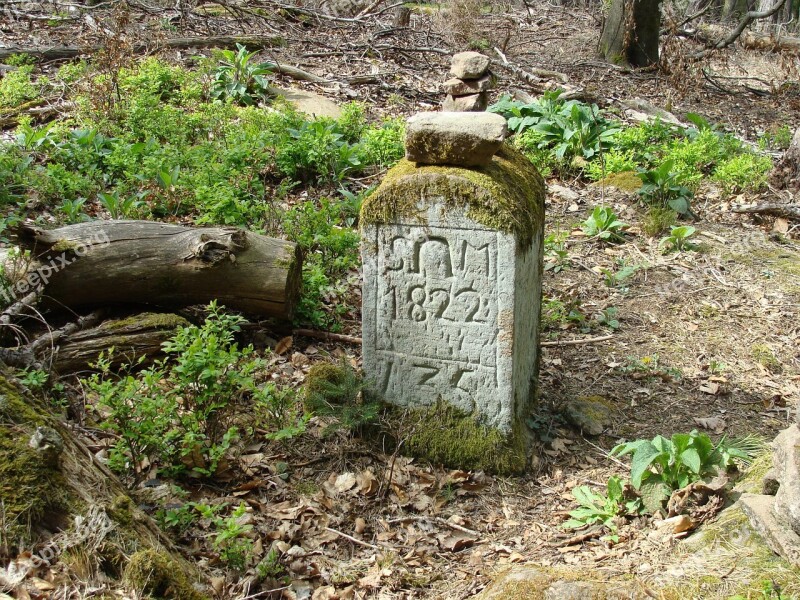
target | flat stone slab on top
[{"x": 454, "y": 138}]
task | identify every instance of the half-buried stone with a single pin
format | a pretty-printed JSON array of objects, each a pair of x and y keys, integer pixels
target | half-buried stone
[{"x": 452, "y": 292}]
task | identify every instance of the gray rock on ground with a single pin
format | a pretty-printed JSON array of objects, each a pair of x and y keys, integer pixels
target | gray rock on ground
[
  {"x": 469, "y": 65},
  {"x": 786, "y": 469},
  {"x": 454, "y": 138},
  {"x": 591, "y": 415}
]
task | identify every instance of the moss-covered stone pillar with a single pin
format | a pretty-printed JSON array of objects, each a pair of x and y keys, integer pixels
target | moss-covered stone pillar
[{"x": 452, "y": 293}]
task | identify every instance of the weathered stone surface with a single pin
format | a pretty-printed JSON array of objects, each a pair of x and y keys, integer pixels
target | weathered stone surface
[
  {"x": 310, "y": 103},
  {"x": 448, "y": 138},
  {"x": 469, "y": 65},
  {"x": 472, "y": 103},
  {"x": 452, "y": 288},
  {"x": 786, "y": 461},
  {"x": 531, "y": 582},
  {"x": 760, "y": 510},
  {"x": 462, "y": 87},
  {"x": 591, "y": 415}
]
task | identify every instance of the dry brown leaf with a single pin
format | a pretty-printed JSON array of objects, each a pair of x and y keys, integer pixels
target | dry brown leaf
[
  {"x": 344, "y": 482},
  {"x": 360, "y": 525},
  {"x": 299, "y": 359},
  {"x": 367, "y": 483},
  {"x": 710, "y": 388},
  {"x": 327, "y": 592},
  {"x": 283, "y": 346},
  {"x": 373, "y": 578},
  {"x": 455, "y": 541}
]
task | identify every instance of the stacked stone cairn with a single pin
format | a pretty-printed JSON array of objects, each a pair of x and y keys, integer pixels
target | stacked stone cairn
[{"x": 468, "y": 89}]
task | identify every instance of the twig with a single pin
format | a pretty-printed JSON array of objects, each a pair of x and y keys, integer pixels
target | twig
[
  {"x": 352, "y": 539},
  {"x": 438, "y": 520},
  {"x": 327, "y": 336},
  {"x": 18, "y": 307},
  {"x": 578, "y": 342},
  {"x": 578, "y": 539}
]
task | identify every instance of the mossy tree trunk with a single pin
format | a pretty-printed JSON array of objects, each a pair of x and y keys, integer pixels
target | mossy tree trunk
[
  {"x": 630, "y": 33},
  {"x": 59, "y": 502}
]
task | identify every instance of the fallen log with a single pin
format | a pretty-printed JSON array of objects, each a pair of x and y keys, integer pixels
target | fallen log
[
  {"x": 141, "y": 262},
  {"x": 765, "y": 41},
  {"x": 212, "y": 41},
  {"x": 787, "y": 211},
  {"x": 131, "y": 338}
]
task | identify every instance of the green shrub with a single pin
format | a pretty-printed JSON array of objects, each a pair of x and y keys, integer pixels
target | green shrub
[
  {"x": 338, "y": 391},
  {"x": 658, "y": 220},
  {"x": 17, "y": 87},
  {"x": 316, "y": 152},
  {"x": 743, "y": 172},
  {"x": 180, "y": 412},
  {"x": 384, "y": 145},
  {"x": 613, "y": 161}
]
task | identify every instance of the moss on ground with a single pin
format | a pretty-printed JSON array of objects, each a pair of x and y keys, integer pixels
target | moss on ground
[
  {"x": 507, "y": 195},
  {"x": 156, "y": 574},
  {"x": 627, "y": 181},
  {"x": 29, "y": 489},
  {"x": 445, "y": 435}
]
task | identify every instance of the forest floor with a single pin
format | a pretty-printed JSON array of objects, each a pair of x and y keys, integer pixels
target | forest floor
[{"x": 707, "y": 338}]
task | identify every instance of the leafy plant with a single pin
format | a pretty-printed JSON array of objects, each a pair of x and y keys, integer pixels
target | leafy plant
[
  {"x": 608, "y": 317},
  {"x": 660, "y": 466},
  {"x": 602, "y": 509},
  {"x": 678, "y": 239},
  {"x": 240, "y": 79},
  {"x": 73, "y": 210},
  {"x": 117, "y": 207},
  {"x": 555, "y": 252},
  {"x": 179, "y": 412},
  {"x": 607, "y": 163},
  {"x": 603, "y": 224},
  {"x": 568, "y": 129},
  {"x": 661, "y": 186},
  {"x": 616, "y": 277}
]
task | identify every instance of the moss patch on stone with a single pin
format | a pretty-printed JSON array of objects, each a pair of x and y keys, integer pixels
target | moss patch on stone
[
  {"x": 445, "y": 435},
  {"x": 156, "y": 574},
  {"x": 507, "y": 195}
]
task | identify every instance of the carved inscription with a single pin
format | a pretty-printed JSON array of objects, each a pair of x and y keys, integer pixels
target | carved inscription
[{"x": 437, "y": 310}]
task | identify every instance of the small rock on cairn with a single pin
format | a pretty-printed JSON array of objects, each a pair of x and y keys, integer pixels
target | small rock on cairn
[{"x": 468, "y": 90}]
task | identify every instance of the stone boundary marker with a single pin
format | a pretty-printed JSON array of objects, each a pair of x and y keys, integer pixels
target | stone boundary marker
[{"x": 452, "y": 254}]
